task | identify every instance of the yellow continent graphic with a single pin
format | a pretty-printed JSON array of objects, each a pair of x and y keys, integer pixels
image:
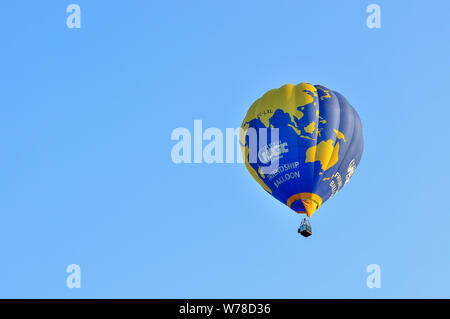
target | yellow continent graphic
[
  {"x": 288, "y": 98},
  {"x": 325, "y": 152}
]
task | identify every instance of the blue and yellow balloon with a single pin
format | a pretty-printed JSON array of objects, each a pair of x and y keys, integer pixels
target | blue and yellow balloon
[{"x": 318, "y": 147}]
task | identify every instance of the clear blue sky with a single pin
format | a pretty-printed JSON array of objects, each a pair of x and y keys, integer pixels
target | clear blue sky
[{"x": 86, "y": 175}]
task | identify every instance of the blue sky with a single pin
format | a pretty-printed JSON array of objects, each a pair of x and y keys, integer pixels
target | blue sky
[{"x": 87, "y": 177}]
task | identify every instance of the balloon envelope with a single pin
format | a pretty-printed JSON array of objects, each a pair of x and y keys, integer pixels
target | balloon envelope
[{"x": 318, "y": 147}]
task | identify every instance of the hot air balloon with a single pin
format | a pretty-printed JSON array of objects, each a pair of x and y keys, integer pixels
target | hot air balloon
[{"x": 302, "y": 144}]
